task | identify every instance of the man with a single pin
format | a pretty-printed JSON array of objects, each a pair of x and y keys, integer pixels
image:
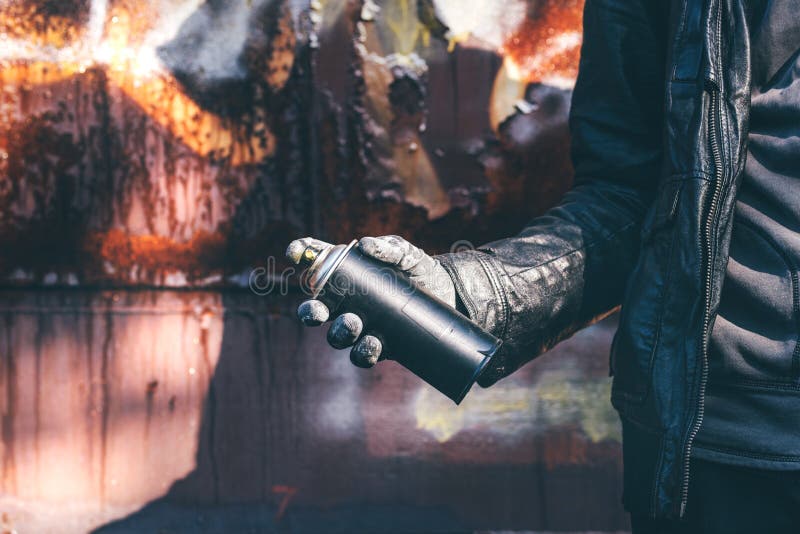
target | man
[{"x": 684, "y": 123}]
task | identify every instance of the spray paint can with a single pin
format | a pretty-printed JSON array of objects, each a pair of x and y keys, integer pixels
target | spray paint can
[{"x": 418, "y": 330}]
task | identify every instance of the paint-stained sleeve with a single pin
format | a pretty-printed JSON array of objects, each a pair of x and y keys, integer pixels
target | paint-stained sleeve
[{"x": 570, "y": 265}]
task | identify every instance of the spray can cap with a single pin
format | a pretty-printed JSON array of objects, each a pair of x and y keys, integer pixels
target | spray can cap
[
  {"x": 305, "y": 251},
  {"x": 321, "y": 259}
]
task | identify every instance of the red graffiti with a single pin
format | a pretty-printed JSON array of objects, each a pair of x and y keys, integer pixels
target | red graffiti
[{"x": 288, "y": 493}]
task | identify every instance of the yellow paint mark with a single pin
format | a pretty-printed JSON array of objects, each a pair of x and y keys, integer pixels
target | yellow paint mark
[
  {"x": 426, "y": 37},
  {"x": 586, "y": 402},
  {"x": 558, "y": 399},
  {"x": 400, "y": 18},
  {"x": 441, "y": 425},
  {"x": 453, "y": 40},
  {"x": 506, "y": 92},
  {"x": 494, "y": 410}
]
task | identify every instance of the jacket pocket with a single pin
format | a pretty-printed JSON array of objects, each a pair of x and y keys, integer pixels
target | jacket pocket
[{"x": 755, "y": 336}]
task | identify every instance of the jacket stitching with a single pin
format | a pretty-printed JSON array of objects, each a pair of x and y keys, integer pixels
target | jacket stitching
[
  {"x": 678, "y": 40},
  {"x": 698, "y": 174},
  {"x": 499, "y": 292},
  {"x": 755, "y": 385},
  {"x": 460, "y": 289},
  {"x": 750, "y": 454}
]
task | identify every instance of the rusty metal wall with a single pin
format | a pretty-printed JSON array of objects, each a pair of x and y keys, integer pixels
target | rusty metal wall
[
  {"x": 178, "y": 143},
  {"x": 154, "y": 155}
]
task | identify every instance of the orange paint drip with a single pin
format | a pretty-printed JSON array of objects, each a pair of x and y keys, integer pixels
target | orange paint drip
[
  {"x": 547, "y": 44},
  {"x": 157, "y": 255}
]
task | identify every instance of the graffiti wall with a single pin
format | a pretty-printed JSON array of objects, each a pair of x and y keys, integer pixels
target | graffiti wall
[{"x": 156, "y": 157}]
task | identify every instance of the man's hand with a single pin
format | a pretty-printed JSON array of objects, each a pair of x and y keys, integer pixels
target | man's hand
[{"x": 347, "y": 328}]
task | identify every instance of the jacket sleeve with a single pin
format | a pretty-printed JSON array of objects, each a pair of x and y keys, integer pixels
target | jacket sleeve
[{"x": 569, "y": 266}]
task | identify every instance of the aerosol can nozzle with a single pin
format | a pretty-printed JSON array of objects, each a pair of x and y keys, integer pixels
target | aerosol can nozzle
[{"x": 306, "y": 251}]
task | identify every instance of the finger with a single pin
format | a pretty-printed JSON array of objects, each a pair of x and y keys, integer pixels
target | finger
[
  {"x": 297, "y": 247},
  {"x": 381, "y": 249},
  {"x": 344, "y": 330},
  {"x": 392, "y": 249},
  {"x": 366, "y": 352},
  {"x": 312, "y": 313}
]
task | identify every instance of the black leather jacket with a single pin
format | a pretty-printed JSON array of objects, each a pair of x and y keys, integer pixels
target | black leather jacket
[{"x": 659, "y": 124}]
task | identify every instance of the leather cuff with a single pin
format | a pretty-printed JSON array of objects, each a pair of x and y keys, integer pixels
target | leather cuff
[{"x": 478, "y": 286}]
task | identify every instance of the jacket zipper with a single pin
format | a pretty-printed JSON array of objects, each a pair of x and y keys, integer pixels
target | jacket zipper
[{"x": 715, "y": 113}]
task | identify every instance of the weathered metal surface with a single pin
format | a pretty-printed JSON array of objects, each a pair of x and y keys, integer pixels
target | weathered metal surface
[
  {"x": 118, "y": 399},
  {"x": 435, "y": 147},
  {"x": 181, "y": 143},
  {"x": 170, "y": 143},
  {"x": 117, "y": 169}
]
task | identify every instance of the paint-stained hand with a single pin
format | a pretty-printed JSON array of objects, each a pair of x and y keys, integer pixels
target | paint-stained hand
[{"x": 348, "y": 328}]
